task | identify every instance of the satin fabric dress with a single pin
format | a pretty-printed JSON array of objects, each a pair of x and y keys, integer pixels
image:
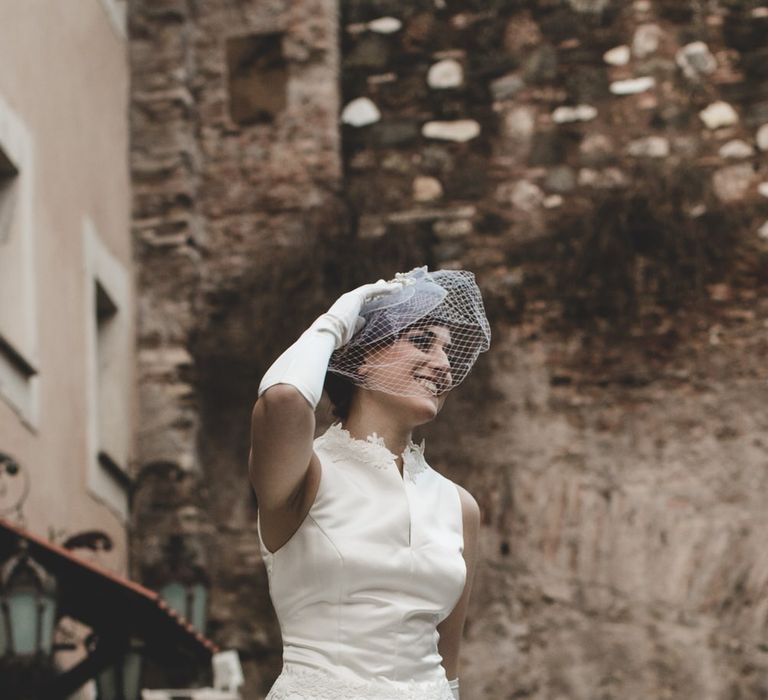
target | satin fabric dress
[{"x": 361, "y": 586}]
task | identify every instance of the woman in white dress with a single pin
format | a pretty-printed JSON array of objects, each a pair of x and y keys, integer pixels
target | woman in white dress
[{"x": 370, "y": 553}]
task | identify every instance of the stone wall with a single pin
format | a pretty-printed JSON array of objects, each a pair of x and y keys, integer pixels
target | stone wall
[
  {"x": 601, "y": 166},
  {"x": 231, "y": 192}
]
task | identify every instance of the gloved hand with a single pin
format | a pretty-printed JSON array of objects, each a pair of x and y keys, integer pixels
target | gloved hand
[
  {"x": 304, "y": 364},
  {"x": 343, "y": 319}
]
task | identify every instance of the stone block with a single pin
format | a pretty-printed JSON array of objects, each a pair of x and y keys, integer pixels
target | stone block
[
  {"x": 360, "y": 112},
  {"x": 457, "y": 228},
  {"x": 736, "y": 149},
  {"x": 385, "y": 25},
  {"x": 422, "y": 215},
  {"x": 395, "y": 132},
  {"x": 507, "y": 86},
  {"x": 649, "y": 147},
  {"x": 618, "y": 55},
  {"x": 732, "y": 183},
  {"x": 553, "y": 201},
  {"x": 445, "y": 74},
  {"x": 646, "y": 40},
  {"x": 520, "y": 123},
  {"x": 596, "y": 149},
  {"x": 607, "y": 178},
  {"x": 762, "y": 137},
  {"x": 427, "y": 189},
  {"x": 589, "y": 6},
  {"x": 460, "y": 130},
  {"x": 632, "y": 86},
  {"x": 560, "y": 179},
  {"x": 579, "y": 113},
  {"x": 521, "y": 33},
  {"x": 526, "y": 196},
  {"x": 696, "y": 60},
  {"x": 541, "y": 65},
  {"x": 371, "y": 52},
  {"x": 719, "y": 114}
]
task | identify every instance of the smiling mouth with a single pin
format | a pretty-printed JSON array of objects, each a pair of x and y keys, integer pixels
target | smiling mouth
[
  {"x": 435, "y": 386},
  {"x": 429, "y": 384}
]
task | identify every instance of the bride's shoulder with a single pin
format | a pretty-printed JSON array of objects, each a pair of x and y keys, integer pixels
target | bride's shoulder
[
  {"x": 469, "y": 505},
  {"x": 470, "y": 509}
]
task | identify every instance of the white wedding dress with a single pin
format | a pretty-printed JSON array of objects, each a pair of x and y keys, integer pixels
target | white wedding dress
[{"x": 361, "y": 586}]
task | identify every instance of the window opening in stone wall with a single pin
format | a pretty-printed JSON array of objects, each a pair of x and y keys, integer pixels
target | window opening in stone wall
[{"x": 258, "y": 77}]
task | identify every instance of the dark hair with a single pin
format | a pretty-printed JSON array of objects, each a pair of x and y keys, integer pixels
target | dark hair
[
  {"x": 340, "y": 391},
  {"x": 340, "y": 388}
]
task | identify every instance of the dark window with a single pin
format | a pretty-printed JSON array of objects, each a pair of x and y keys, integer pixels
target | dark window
[
  {"x": 8, "y": 189},
  {"x": 8, "y": 173},
  {"x": 108, "y": 380},
  {"x": 257, "y": 77}
]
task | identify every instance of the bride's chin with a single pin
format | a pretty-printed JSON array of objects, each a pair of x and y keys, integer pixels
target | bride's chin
[
  {"x": 415, "y": 409},
  {"x": 422, "y": 408}
]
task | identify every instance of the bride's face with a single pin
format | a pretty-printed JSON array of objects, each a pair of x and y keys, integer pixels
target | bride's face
[{"x": 416, "y": 369}]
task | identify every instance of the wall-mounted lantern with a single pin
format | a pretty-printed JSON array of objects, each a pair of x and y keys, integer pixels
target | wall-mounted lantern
[
  {"x": 27, "y": 607},
  {"x": 182, "y": 581},
  {"x": 122, "y": 680},
  {"x": 189, "y": 600}
]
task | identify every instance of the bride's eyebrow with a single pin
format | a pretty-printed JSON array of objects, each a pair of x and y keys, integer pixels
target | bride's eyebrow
[{"x": 446, "y": 344}]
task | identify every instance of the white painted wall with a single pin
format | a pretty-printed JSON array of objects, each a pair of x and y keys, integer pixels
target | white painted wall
[
  {"x": 18, "y": 306},
  {"x": 64, "y": 82}
]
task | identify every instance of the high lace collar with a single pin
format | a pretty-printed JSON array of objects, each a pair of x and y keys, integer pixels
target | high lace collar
[{"x": 373, "y": 450}]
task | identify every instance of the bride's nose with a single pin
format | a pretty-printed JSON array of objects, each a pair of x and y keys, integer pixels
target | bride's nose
[{"x": 438, "y": 361}]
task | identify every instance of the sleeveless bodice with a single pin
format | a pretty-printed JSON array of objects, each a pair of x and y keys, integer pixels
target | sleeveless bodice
[{"x": 362, "y": 584}]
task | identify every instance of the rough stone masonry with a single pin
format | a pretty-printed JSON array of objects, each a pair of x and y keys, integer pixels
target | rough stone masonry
[{"x": 601, "y": 166}]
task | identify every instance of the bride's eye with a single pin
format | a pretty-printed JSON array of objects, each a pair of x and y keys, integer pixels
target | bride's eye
[{"x": 423, "y": 341}]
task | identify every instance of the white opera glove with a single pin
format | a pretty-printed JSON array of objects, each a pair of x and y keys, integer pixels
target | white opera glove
[
  {"x": 454, "y": 686},
  {"x": 345, "y": 311},
  {"x": 304, "y": 364}
]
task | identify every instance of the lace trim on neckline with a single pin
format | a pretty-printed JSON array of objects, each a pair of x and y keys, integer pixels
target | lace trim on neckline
[{"x": 373, "y": 450}]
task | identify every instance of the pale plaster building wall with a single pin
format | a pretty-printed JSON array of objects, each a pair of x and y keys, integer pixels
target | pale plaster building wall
[{"x": 63, "y": 124}]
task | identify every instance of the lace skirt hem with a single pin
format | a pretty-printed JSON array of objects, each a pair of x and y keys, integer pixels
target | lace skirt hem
[{"x": 309, "y": 684}]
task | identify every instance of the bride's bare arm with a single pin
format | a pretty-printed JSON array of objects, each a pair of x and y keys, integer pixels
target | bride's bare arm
[
  {"x": 452, "y": 628},
  {"x": 283, "y": 419},
  {"x": 282, "y": 428}
]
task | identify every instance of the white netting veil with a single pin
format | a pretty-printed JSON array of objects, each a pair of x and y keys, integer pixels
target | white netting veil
[{"x": 421, "y": 339}]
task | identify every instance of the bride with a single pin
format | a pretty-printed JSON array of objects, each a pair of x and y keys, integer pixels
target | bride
[{"x": 370, "y": 553}]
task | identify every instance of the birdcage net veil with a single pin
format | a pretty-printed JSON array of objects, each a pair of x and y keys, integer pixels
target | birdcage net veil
[{"x": 423, "y": 339}]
